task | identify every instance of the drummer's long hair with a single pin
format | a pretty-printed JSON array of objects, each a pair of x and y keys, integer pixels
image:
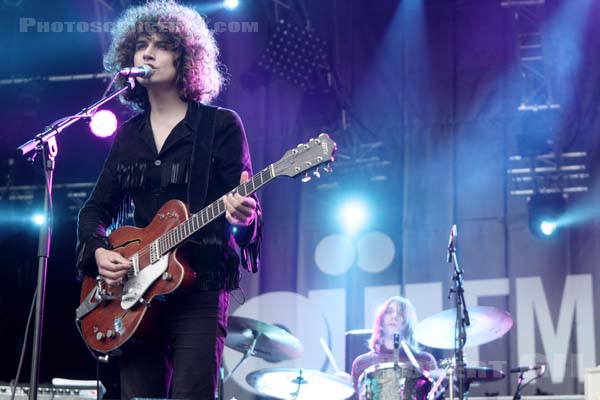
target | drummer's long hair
[{"x": 410, "y": 322}]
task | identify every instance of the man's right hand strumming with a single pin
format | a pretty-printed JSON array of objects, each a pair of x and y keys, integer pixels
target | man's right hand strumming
[{"x": 111, "y": 265}]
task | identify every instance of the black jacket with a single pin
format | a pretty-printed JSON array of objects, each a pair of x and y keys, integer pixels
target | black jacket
[{"x": 202, "y": 159}]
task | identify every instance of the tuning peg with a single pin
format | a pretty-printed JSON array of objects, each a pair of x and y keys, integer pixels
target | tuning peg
[
  {"x": 328, "y": 168},
  {"x": 306, "y": 178},
  {"x": 317, "y": 173}
]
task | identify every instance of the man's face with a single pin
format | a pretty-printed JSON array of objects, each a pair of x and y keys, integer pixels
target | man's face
[{"x": 154, "y": 51}]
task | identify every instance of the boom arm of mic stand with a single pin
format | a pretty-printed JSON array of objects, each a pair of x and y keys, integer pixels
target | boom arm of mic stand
[{"x": 52, "y": 131}]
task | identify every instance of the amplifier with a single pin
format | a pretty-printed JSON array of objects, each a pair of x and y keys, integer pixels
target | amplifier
[{"x": 48, "y": 392}]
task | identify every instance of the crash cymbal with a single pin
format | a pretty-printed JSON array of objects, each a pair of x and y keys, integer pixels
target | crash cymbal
[
  {"x": 487, "y": 324},
  {"x": 272, "y": 343},
  {"x": 299, "y": 384}
]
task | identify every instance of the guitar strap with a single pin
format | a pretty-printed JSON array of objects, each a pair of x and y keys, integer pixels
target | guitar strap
[{"x": 201, "y": 157}]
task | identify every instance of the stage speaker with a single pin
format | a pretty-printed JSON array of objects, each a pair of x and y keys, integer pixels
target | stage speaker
[
  {"x": 591, "y": 384},
  {"x": 48, "y": 392},
  {"x": 357, "y": 343}
]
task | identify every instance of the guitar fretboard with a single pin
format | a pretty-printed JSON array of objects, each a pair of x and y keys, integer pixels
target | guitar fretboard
[{"x": 181, "y": 232}]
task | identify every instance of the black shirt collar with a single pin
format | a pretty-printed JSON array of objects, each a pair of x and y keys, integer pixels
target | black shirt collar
[{"x": 181, "y": 130}]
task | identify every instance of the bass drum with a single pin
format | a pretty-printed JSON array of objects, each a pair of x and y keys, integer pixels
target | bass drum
[{"x": 386, "y": 381}]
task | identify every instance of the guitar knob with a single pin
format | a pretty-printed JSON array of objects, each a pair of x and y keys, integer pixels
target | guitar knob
[
  {"x": 110, "y": 334},
  {"x": 317, "y": 173},
  {"x": 306, "y": 178},
  {"x": 167, "y": 276},
  {"x": 100, "y": 336},
  {"x": 328, "y": 168}
]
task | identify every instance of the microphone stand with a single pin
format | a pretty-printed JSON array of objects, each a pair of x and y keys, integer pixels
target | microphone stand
[
  {"x": 45, "y": 143},
  {"x": 517, "y": 395},
  {"x": 520, "y": 379},
  {"x": 462, "y": 314}
]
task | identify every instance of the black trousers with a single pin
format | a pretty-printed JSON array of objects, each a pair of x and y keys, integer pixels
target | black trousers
[{"x": 181, "y": 357}]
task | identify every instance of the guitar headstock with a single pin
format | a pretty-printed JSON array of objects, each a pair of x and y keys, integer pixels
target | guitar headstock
[{"x": 307, "y": 156}]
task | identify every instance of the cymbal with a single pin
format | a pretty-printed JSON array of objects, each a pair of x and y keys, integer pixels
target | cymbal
[
  {"x": 299, "y": 384},
  {"x": 487, "y": 324},
  {"x": 273, "y": 343}
]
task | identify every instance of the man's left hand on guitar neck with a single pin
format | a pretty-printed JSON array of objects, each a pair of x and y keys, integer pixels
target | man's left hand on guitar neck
[{"x": 240, "y": 210}]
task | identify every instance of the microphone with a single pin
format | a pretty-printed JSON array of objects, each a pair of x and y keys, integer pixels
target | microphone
[
  {"x": 396, "y": 352},
  {"x": 143, "y": 71},
  {"x": 453, "y": 235},
  {"x": 541, "y": 368}
]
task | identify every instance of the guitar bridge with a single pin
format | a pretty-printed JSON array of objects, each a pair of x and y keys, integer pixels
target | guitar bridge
[{"x": 134, "y": 288}]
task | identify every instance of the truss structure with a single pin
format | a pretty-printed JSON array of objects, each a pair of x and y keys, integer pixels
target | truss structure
[{"x": 528, "y": 17}]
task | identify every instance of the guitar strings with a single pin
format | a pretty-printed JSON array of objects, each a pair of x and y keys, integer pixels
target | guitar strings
[{"x": 146, "y": 249}]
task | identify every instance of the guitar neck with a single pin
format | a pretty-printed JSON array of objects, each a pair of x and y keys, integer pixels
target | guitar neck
[{"x": 181, "y": 232}]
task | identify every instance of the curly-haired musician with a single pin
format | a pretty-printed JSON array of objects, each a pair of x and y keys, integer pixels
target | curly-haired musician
[{"x": 177, "y": 147}]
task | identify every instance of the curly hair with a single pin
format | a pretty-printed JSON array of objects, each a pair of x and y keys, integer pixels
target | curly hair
[
  {"x": 199, "y": 76},
  {"x": 410, "y": 322}
]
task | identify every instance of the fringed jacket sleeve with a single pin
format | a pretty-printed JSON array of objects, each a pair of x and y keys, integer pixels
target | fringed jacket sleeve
[
  {"x": 232, "y": 153},
  {"x": 98, "y": 213}
]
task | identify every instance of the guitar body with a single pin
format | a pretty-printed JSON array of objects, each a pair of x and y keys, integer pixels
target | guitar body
[{"x": 108, "y": 326}]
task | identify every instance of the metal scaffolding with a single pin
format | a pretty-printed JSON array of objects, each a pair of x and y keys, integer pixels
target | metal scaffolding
[{"x": 528, "y": 17}]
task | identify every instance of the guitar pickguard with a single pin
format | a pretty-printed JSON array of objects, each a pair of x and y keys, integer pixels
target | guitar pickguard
[{"x": 136, "y": 286}]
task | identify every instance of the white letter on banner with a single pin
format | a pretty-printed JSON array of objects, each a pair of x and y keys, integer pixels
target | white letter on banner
[
  {"x": 577, "y": 304},
  {"x": 475, "y": 289}
]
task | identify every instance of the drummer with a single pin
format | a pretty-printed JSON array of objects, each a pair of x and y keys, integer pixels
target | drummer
[{"x": 396, "y": 315}]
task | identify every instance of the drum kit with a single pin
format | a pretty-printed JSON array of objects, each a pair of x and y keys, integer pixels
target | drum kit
[{"x": 384, "y": 381}]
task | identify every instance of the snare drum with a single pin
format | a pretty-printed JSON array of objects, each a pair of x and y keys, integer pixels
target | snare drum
[{"x": 387, "y": 381}]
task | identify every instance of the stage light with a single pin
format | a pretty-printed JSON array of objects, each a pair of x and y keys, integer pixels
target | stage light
[
  {"x": 545, "y": 213},
  {"x": 38, "y": 219},
  {"x": 230, "y": 4},
  {"x": 103, "y": 123},
  {"x": 548, "y": 227},
  {"x": 354, "y": 216}
]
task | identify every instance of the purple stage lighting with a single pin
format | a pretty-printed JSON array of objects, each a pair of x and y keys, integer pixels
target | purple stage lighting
[{"x": 103, "y": 123}]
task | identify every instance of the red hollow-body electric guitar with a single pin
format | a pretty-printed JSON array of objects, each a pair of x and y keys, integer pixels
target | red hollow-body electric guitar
[{"x": 108, "y": 318}]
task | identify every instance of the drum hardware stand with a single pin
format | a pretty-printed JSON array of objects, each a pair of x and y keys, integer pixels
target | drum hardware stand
[
  {"x": 396, "y": 351},
  {"x": 462, "y": 315},
  {"x": 245, "y": 356},
  {"x": 44, "y": 143},
  {"x": 451, "y": 381},
  {"x": 300, "y": 381},
  {"x": 435, "y": 387},
  {"x": 396, "y": 359}
]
